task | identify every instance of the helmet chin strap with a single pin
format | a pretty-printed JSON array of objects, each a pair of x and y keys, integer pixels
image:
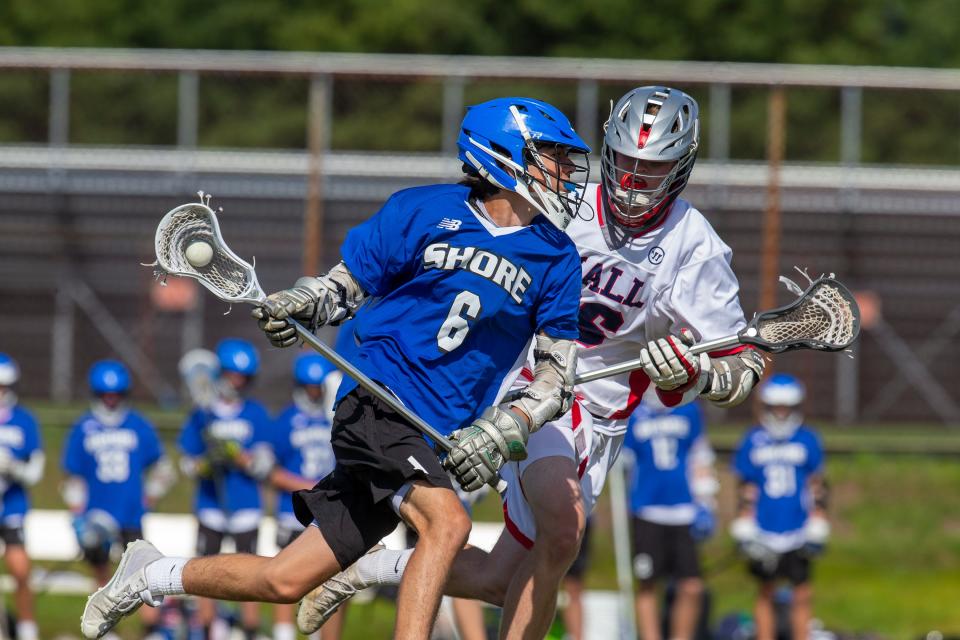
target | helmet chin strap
[{"x": 105, "y": 415}]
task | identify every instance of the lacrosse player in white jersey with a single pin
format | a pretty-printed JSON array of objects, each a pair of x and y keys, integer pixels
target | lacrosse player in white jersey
[{"x": 656, "y": 280}]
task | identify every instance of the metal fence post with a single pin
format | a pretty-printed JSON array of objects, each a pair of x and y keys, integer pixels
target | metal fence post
[
  {"x": 59, "y": 113},
  {"x": 61, "y": 345},
  {"x": 452, "y": 113},
  {"x": 188, "y": 92},
  {"x": 321, "y": 89},
  {"x": 587, "y": 92}
]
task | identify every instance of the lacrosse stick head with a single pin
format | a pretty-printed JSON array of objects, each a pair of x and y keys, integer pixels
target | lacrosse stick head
[
  {"x": 226, "y": 275},
  {"x": 824, "y": 317}
]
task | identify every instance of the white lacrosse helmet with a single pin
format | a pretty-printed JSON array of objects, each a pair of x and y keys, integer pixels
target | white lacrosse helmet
[
  {"x": 649, "y": 146},
  {"x": 781, "y": 398}
]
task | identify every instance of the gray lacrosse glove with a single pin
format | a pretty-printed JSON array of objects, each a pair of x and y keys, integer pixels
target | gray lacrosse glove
[
  {"x": 481, "y": 449},
  {"x": 329, "y": 299}
]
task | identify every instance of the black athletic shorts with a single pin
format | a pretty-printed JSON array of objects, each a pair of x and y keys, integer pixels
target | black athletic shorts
[
  {"x": 377, "y": 453},
  {"x": 582, "y": 561},
  {"x": 793, "y": 566},
  {"x": 101, "y": 555},
  {"x": 210, "y": 541},
  {"x": 663, "y": 550},
  {"x": 13, "y": 536}
]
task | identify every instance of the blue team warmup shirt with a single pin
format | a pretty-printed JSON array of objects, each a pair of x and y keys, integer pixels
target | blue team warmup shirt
[
  {"x": 20, "y": 436},
  {"x": 247, "y": 426},
  {"x": 301, "y": 443},
  {"x": 112, "y": 461},
  {"x": 661, "y": 442},
  {"x": 459, "y": 300},
  {"x": 781, "y": 469}
]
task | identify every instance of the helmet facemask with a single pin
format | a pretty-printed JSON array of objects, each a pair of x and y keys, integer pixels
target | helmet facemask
[
  {"x": 649, "y": 148},
  {"x": 309, "y": 402},
  {"x": 110, "y": 409},
  {"x": 781, "y": 421}
]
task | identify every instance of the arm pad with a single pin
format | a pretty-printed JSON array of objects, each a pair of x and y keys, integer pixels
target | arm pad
[
  {"x": 550, "y": 394},
  {"x": 732, "y": 377},
  {"x": 160, "y": 479},
  {"x": 338, "y": 292},
  {"x": 28, "y": 472}
]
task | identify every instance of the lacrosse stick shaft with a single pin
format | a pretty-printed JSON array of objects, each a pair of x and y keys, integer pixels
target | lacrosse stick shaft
[
  {"x": 379, "y": 392},
  {"x": 631, "y": 365}
]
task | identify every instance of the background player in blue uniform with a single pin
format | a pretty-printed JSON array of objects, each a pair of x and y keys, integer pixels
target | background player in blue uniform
[
  {"x": 782, "y": 518},
  {"x": 301, "y": 444},
  {"x": 115, "y": 470},
  {"x": 672, "y": 497},
  {"x": 465, "y": 276},
  {"x": 21, "y": 466},
  {"x": 226, "y": 448}
]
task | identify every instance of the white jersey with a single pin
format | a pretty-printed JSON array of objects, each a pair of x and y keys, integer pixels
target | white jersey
[{"x": 674, "y": 276}]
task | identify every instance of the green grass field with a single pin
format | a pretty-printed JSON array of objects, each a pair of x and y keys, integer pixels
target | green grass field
[{"x": 893, "y": 566}]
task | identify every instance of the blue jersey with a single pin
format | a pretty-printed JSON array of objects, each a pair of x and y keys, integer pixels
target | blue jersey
[
  {"x": 458, "y": 300},
  {"x": 301, "y": 443},
  {"x": 662, "y": 443},
  {"x": 20, "y": 437},
  {"x": 112, "y": 461},
  {"x": 230, "y": 489},
  {"x": 781, "y": 469}
]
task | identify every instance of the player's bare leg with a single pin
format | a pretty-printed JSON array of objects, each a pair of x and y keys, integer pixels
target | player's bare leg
[
  {"x": 801, "y": 611},
  {"x": 442, "y": 525},
  {"x": 18, "y": 564},
  {"x": 469, "y": 618},
  {"x": 764, "y": 612},
  {"x": 557, "y": 506},
  {"x": 573, "y": 612},
  {"x": 686, "y": 608},
  {"x": 648, "y": 615}
]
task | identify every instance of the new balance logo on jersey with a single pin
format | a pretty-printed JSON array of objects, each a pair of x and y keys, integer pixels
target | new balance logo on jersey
[
  {"x": 497, "y": 269},
  {"x": 450, "y": 223}
]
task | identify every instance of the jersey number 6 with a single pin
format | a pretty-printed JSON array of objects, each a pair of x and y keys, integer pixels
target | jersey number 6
[{"x": 454, "y": 330}]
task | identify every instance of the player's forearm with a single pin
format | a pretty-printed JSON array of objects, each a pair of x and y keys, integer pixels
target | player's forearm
[
  {"x": 284, "y": 480},
  {"x": 550, "y": 394}
]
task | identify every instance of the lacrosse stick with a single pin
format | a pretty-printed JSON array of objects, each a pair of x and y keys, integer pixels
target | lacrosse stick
[
  {"x": 232, "y": 279},
  {"x": 825, "y": 317},
  {"x": 198, "y": 368}
]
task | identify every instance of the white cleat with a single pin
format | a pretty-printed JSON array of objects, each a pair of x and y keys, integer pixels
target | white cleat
[
  {"x": 320, "y": 604},
  {"x": 124, "y": 594}
]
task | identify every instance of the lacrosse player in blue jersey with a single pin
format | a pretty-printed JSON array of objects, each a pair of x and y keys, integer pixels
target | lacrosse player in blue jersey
[
  {"x": 115, "y": 469},
  {"x": 672, "y": 498},
  {"x": 782, "y": 515},
  {"x": 21, "y": 466},
  {"x": 464, "y": 277},
  {"x": 226, "y": 448},
  {"x": 301, "y": 444}
]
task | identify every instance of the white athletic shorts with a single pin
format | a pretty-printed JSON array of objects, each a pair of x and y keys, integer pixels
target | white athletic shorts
[{"x": 572, "y": 436}]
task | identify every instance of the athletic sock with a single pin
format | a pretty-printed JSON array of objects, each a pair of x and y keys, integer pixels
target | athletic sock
[
  {"x": 27, "y": 630},
  {"x": 165, "y": 576},
  {"x": 383, "y": 567},
  {"x": 284, "y": 631}
]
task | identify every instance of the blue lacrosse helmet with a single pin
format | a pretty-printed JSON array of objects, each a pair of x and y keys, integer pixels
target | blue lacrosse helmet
[
  {"x": 311, "y": 368},
  {"x": 497, "y": 138},
  {"x": 782, "y": 390},
  {"x": 9, "y": 371},
  {"x": 109, "y": 376},
  {"x": 238, "y": 356}
]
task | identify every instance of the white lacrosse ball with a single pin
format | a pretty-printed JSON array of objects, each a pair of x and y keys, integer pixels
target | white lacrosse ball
[{"x": 199, "y": 254}]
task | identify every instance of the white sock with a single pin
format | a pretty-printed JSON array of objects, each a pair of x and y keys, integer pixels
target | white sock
[
  {"x": 383, "y": 567},
  {"x": 165, "y": 577},
  {"x": 27, "y": 630},
  {"x": 284, "y": 631}
]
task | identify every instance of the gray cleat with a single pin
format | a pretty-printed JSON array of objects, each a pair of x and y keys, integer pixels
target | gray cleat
[
  {"x": 124, "y": 594},
  {"x": 320, "y": 604}
]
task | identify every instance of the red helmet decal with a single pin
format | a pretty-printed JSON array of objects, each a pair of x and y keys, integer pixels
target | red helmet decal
[{"x": 642, "y": 138}]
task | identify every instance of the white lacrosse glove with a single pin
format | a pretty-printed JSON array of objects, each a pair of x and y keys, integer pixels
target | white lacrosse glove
[
  {"x": 746, "y": 534},
  {"x": 7, "y": 462},
  {"x": 670, "y": 365},
  {"x": 816, "y": 532},
  {"x": 259, "y": 462},
  {"x": 482, "y": 448}
]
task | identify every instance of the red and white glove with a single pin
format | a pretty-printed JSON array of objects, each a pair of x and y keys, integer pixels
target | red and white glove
[{"x": 670, "y": 365}]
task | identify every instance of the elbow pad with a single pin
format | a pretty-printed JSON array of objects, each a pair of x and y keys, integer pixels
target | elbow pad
[
  {"x": 733, "y": 377},
  {"x": 550, "y": 394}
]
